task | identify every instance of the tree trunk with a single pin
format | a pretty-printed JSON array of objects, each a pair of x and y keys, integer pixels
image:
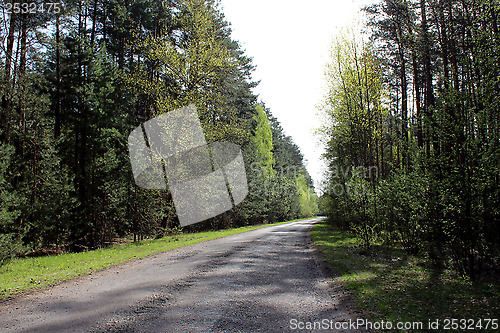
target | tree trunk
[
  {"x": 21, "y": 84},
  {"x": 404, "y": 101},
  {"x": 10, "y": 46},
  {"x": 428, "y": 87},
  {"x": 57, "y": 123},
  {"x": 94, "y": 15},
  {"x": 5, "y": 113}
]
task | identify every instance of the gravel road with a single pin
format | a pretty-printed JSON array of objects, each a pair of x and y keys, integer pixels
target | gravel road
[{"x": 266, "y": 280}]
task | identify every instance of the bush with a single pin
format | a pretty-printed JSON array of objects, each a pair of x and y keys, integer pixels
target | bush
[{"x": 10, "y": 247}]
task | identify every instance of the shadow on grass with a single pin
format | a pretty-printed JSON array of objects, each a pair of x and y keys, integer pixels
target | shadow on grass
[{"x": 390, "y": 285}]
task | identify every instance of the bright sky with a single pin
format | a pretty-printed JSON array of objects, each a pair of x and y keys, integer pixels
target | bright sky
[{"x": 289, "y": 41}]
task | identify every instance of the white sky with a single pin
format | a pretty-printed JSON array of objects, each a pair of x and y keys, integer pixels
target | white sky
[{"x": 289, "y": 41}]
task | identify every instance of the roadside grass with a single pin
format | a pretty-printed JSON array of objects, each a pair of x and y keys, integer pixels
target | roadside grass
[
  {"x": 24, "y": 274},
  {"x": 388, "y": 284}
]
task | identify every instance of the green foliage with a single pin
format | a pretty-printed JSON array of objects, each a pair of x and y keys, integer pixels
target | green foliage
[
  {"x": 10, "y": 247},
  {"x": 10, "y": 243},
  {"x": 279, "y": 188},
  {"x": 356, "y": 115},
  {"x": 390, "y": 285},
  {"x": 403, "y": 200},
  {"x": 263, "y": 142},
  {"x": 412, "y": 103},
  {"x": 74, "y": 85},
  {"x": 308, "y": 200},
  {"x": 10, "y": 200}
]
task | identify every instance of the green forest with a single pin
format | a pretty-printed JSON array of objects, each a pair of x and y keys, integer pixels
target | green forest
[
  {"x": 76, "y": 81},
  {"x": 412, "y": 130}
]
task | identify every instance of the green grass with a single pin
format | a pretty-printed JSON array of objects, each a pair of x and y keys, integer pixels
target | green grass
[
  {"x": 387, "y": 284},
  {"x": 24, "y": 274}
]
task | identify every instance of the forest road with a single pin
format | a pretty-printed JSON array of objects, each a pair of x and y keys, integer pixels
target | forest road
[{"x": 266, "y": 280}]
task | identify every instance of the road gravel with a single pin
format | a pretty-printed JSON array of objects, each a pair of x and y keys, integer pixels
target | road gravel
[{"x": 266, "y": 280}]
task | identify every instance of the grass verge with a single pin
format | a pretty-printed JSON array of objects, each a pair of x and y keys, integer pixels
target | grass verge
[
  {"x": 390, "y": 285},
  {"x": 24, "y": 274}
]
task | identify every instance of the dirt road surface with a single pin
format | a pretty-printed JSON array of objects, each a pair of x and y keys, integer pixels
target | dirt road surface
[{"x": 267, "y": 280}]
